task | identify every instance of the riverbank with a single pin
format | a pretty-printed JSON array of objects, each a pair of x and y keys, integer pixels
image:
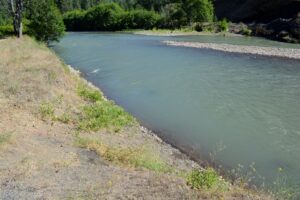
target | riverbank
[
  {"x": 62, "y": 139},
  {"x": 253, "y": 50},
  {"x": 180, "y": 32}
]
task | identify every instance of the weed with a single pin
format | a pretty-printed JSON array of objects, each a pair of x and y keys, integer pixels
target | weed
[
  {"x": 203, "y": 179},
  {"x": 104, "y": 114},
  {"x": 141, "y": 157},
  {"x": 246, "y": 31},
  {"x": 46, "y": 110},
  {"x": 88, "y": 93}
]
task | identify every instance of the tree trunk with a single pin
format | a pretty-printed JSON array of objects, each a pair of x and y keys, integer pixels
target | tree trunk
[{"x": 16, "y": 12}]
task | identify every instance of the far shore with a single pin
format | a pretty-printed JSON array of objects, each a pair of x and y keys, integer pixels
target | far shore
[
  {"x": 168, "y": 33},
  {"x": 242, "y": 49}
]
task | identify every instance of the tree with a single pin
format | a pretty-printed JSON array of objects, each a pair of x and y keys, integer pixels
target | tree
[
  {"x": 46, "y": 23},
  {"x": 16, "y": 10}
]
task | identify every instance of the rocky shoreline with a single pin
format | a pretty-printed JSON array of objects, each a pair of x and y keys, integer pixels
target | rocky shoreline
[{"x": 242, "y": 49}]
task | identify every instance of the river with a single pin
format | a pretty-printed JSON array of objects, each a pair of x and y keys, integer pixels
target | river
[{"x": 224, "y": 108}]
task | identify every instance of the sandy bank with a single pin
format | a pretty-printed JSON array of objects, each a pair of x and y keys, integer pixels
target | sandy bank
[{"x": 254, "y": 50}]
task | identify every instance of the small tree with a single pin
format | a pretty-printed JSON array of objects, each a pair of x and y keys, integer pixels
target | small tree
[{"x": 46, "y": 22}]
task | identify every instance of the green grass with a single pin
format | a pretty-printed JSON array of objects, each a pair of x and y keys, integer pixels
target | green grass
[
  {"x": 89, "y": 93},
  {"x": 139, "y": 157},
  {"x": 101, "y": 113},
  {"x": 203, "y": 179},
  {"x": 104, "y": 114},
  {"x": 46, "y": 110}
]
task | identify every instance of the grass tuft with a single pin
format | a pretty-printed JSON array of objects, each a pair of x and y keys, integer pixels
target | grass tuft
[
  {"x": 89, "y": 93},
  {"x": 104, "y": 114},
  {"x": 46, "y": 110},
  {"x": 141, "y": 157},
  {"x": 203, "y": 179}
]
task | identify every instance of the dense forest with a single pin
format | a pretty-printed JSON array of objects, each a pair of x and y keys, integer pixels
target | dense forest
[{"x": 47, "y": 19}]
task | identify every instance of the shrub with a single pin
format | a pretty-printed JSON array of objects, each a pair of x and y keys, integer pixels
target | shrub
[
  {"x": 199, "y": 10},
  {"x": 246, "y": 31},
  {"x": 75, "y": 20},
  {"x": 6, "y": 30},
  {"x": 203, "y": 179},
  {"x": 141, "y": 19},
  {"x": 46, "y": 23},
  {"x": 104, "y": 17},
  {"x": 223, "y": 25}
]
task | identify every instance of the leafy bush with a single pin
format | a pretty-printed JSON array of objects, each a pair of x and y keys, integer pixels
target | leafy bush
[
  {"x": 199, "y": 10},
  {"x": 45, "y": 20},
  {"x": 110, "y": 17},
  {"x": 140, "y": 19},
  {"x": 223, "y": 25},
  {"x": 200, "y": 179},
  {"x": 6, "y": 30},
  {"x": 75, "y": 20}
]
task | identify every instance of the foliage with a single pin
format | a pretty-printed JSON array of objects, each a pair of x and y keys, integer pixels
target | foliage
[
  {"x": 46, "y": 110},
  {"x": 104, "y": 114},
  {"x": 223, "y": 25},
  {"x": 6, "y": 30},
  {"x": 46, "y": 23},
  {"x": 139, "y": 157},
  {"x": 200, "y": 179},
  {"x": 87, "y": 93},
  {"x": 110, "y": 17},
  {"x": 100, "y": 113},
  {"x": 140, "y": 19},
  {"x": 199, "y": 10}
]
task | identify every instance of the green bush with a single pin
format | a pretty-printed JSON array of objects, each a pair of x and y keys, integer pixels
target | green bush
[
  {"x": 6, "y": 30},
  {"x": 75, "y": 20},
  {"x": 223, "y": 25},
  {"x": 45, "y": 20},
  {"x": 110, "y": 17},
  {"x": 203, "y": 179},
  {"x": 140, "y": 19}
]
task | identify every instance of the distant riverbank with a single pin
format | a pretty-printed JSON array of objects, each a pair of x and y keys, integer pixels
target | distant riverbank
[
  {"x": 179, "y": 32},
  {"x": 254, "y": 50}
]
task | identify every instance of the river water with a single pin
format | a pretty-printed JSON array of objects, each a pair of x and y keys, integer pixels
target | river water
[{"x": 225, "y": 108}]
